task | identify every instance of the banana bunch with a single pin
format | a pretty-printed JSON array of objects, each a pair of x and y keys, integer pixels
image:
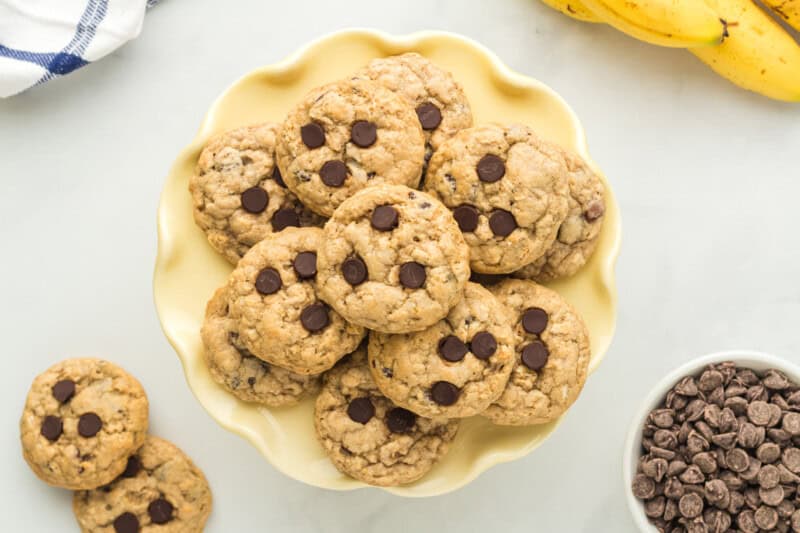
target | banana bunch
[{"x": 752, "y": 44}]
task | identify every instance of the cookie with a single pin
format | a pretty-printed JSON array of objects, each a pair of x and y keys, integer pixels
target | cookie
[
  {"x": 369, "y": 438},
  {"x": 578, "y": 234},
  {"x": 552, "y": 355},
  {"x": 453, "y": 369},
  {"x": 161, "y": 490},
  {"x": 508, "y": 191},
  {"x": 346, "y": 136},
  {"x": 392, "y": 260},
  {"x": 240, "y": 372},
  {"x": 81, "y": 421},
  {"x": 273, "y": 301},
  {"x": 438, "y": 100},
  {"x": 238, "y": 194}
]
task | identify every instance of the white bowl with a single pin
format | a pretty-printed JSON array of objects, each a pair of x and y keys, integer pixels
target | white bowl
[{"x": 758, "y": 361}]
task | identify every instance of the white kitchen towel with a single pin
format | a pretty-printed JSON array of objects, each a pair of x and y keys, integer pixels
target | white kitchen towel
[{"x": 44, "y": 39}]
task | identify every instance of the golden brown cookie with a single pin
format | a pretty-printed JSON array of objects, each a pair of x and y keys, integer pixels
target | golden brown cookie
[
  {"x": 370, "y": 439},
  {"x": 345, "y": 136},
  {"x": 161, "y": 490},
  {"x": 552, "y": 355},
  {"x": 392, "y": 259},
  {"x": 246, "y": 376},
  {"x": 507, "y": 189},
  {"x": 453, "y": 369},
  {"x": 238, "y": 194},
  {"x": 81, "y": 421},
  {"x": 272, "y": 296},
  {"x": 578, "y": 234}
]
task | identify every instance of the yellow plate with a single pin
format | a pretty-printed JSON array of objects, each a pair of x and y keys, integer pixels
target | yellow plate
[{"x": 188, "y": 270}]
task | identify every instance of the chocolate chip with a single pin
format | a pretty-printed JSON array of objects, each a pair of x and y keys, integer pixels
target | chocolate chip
[
  {"x": 444, "y": 393},
  {"x": 766, "y": 517},
  {"x": 791, "y": 424},
  {"x": 768, "y": 476},
  {"x": 690, "y": 505},
  {"x": 737, "y": 460},
  {"x": 643, "y": 487},
  {"x": 333, "y": 173},
  {"x": 502, "y": 223},
  {"x": 254, "y": 200},
  {"x": 534, "y": 355},
  {"x": 361, "y": 410},
  {"x": 452, "y": 349},
  {"x": 412, "y": 275},
  {"x": 483, "y": 345},
  {"x": 160, "y": 511},
  {"x": 467, "y": 217},
  {"x": 313, "y": 135},
  {"x": 663, "y": 418},
  {"x": 759, "y": 413},
  {"x": 132, "y": 468},
  {"x": 769, "y": 452},
  {"x": 64, "y": 390},
  {"x": 89, "y": 424},
  {"x": 363, "y": 133},
  {"x": 686, "y": 386},
  {"x": 268, "y": 281},
  {"x": 384, "y": 218},
  {"x": 716, "y": 491},
  {"x": 673, "y": 488},
  {"x": 429, "y": 116},
  {"x": 276, "y": 176},
  {"x": 534, "y": 320},
  {"x": 665, "y": 439},
  {"x": 400, "y": 420},
  {"x": 491, "y": 168},
  {"x": 709, "y": 380},
  {"x": 706, "y": 462},
  {"x": 654, "y": 508},
  {"x": 315, "y": 317},
  {"x": 52, "y": 427},
  {"x": 692, "y": 475},
  {"x": 284, "y": 218},
  {"x": 126, "y": 523},
  {"x": 594, "y": 210},
  {"x": 305, "y": 265},
  {"x": 791, "y": 459},
  {"x": 776, "y": 380},
  {"x": 354, "y": 271},
  {"x": 747, "y": 522}
]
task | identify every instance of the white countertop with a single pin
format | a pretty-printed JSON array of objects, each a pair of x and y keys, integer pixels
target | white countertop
[{"x": 707, "y": 176}]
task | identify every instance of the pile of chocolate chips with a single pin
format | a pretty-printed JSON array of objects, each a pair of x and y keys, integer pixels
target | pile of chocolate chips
[{"x": 722, "y": 453}]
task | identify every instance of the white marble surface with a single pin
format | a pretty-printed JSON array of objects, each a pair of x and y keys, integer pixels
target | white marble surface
[{"x": 707, "y": 177}]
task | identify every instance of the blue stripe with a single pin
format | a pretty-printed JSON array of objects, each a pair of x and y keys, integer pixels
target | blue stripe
[
  {"x": 43, "y": 60},
  {"x": 64, "y": 62}
]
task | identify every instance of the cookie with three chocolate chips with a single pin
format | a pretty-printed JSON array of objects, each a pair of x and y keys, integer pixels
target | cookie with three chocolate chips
[
  {"x": 272, "y": 297},
  {"x": 160, "y": 489},
  {"x": 81, "y": 421},
  {"x": 369, "y": 438},
  {"x": 246, "y": 376},
  {"x": 392, "y": 259},
  {"x": 345, "y": 136},
  {"x": 506, "y": 188},
  {"x": 552, "y": 355},
  {"x": 436, "y": 97},
  {"x": 453, "y": 369},
  {"x": 238, "y": 194}
]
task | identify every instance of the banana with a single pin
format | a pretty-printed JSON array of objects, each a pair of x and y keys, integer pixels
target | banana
[
  {"x": 758, "y": 54},
  {"x": 574, "y": 9},
  {"x": 788, "y": 10},
  {"x": 674, "y": 23}
]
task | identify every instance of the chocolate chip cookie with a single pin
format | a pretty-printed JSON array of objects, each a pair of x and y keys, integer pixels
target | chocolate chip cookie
[
  {"x": 438, "y": 100},
  {"x": 238, "y": 194},
  {"x": 273, "y": 300},
  {"x": 453, "y": 369},
  {"x": 578, "y": 234},
  {"x": 508, "y": 191},
  {"x": 552, "y": 355},
  {"x": 161, "y": 489},
  {"x": 346, "y": 136},
  {"x": 392, "y": 260},
  {"x": 81, "y": 421},
  {"x": 369, "y": 438},
  {"x": 246, "y": 376}
]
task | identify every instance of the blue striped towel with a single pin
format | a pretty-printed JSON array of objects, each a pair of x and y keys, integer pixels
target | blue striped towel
[{"x": 44, "y": 39}]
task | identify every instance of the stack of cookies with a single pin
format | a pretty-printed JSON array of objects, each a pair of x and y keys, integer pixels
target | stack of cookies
[
  {"x": 84, "y": 428},
  {"x": 387, "y": 254}
]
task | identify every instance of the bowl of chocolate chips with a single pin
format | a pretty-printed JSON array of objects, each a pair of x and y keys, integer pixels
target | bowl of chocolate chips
[{"x": 715, "y": 447}]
